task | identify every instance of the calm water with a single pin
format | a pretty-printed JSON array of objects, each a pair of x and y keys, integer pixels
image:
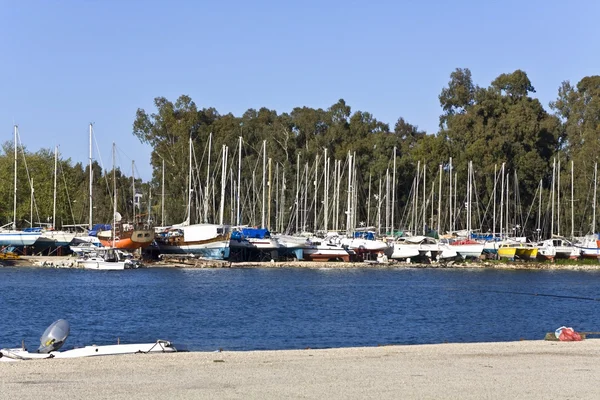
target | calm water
[{"x": 245, "y": 309}]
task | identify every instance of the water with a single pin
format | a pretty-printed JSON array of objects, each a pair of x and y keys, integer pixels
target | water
[{"x": 249, "y": 309}]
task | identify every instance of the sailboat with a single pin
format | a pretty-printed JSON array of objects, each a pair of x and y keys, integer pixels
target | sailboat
[
  {"x": 52, "y": 237},
  {"x": 14, "y": 237},
  {"x": 210, "y": 241}
]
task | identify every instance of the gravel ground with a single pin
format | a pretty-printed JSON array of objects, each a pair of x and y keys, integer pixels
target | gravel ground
[{"x": 515, "y": 370}]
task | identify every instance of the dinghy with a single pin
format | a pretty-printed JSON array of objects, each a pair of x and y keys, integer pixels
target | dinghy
[{"x": 55, "y": 336}]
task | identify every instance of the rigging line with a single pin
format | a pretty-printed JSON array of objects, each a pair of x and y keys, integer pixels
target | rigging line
[{"x": 526, "y": 294}]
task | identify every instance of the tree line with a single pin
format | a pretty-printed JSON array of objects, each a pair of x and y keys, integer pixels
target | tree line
[{"x": 499, "y": 124}]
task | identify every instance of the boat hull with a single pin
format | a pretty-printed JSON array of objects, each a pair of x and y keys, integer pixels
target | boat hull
[
  {"x": 18, "y": 238},
  {"x": 214, "y": 250}
]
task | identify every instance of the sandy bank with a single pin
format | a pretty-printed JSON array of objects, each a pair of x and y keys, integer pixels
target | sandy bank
[{"x": 522, "y": 370}]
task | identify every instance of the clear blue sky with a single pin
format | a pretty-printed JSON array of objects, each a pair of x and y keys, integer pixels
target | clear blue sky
[{"x": 68, "y": 63}]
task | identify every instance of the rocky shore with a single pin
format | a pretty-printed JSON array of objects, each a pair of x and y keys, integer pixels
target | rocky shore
[
  {"x": 69, "y": 262},
  {"x": 515, "y": 370}
]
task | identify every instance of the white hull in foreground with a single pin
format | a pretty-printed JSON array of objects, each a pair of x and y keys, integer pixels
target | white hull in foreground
[{"x": 19, "y": 354}]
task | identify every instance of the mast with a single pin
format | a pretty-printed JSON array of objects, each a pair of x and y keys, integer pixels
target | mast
[
  {"x": 595, "y": 190},
  {"x": 15, "y": 183},
  {"x": 539, "y": 227},
  {"x": 424, "y": 194},
  {"x": 91, "y": 179},
  {"x": 552, "y": 196},
  {"x": 188, "y": 219},
  {"x": 326, "y": 193},
  {"x": 162, "y": 206},
  {"x": 379, "y": 208},
  {"x": 494, "y": 203},
  {"x": 54, "y": 201},
  {"x": 297, "y": 190},
  {"x": 349, "y": 216},
  {"x": 387, "y": 201},
  {"x": 316, "y": 184},
  {"x": 393, "y": 190},
  {"x": 264, "y": 175},
  {"x": 133, "y": 188},
  {"x": 572, "y": 205},
  {"x": 451, "y": 224},
  {"x": 557, "y": 199},
  {"x": 369, "y": 201},
  {"x": 31, "y": 205},
  {"x": 439, "y": 218},
  {"x": 502, "y": 201},
  {"x": 207, "y": 177},
  {"x": 305, "y": 197},
  {"x": 114, "y": 196},
  {"x": 239, "y": 183},
  {"x": 223, "y": 181},
  {"x": 269, "y": 201}
]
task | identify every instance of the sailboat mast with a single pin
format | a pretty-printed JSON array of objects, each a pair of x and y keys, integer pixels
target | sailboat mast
[
  {"x": 439, "y": 211},
  {"x": 31, "y": 206},
  {"x": 502, "y": 200},
  {"x": 91, "y": 179},
  {"x": 297, "y": 191},
  {"x": 223, "y": 181},
  {"x": 558, "y": 199},
  {"x": 450, "y": 221},
  {"x": 424, "y": 195},
  {"x": 494, "y": 203},
  {"x": 552, "y": 196},
  {"x": 595, "y": 190},
  {"x": 379, "y": 208},
  {"x": 572, "y": 205},
  {"x": 188, "y": 219},
  {"x": 393, "y": 205},
  {"x": 15, "y": 183},
  {"x": 326, "y": 193},
  {"x": 264, "y": 177},
  {"x": 539, "y": 227},
  {"x": 316, "y": 184},
  {"x": 162, "y": 206},
  {"x": 54, "y": 199},
  {"x": 114, "y": 196},
  {"x": 207, "y": 177},
  {"x": 239, "y": 183},
  {"x": 348, "y": 214},
  {"x": 369, "y": 201},
  {"x": 269, "y": 199},
  {"x": 133, "y": 188}
]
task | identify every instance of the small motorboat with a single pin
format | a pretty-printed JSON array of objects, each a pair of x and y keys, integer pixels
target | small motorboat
[{"x": 55, "y": 336}]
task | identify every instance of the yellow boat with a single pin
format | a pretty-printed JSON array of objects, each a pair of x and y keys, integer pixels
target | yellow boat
[
  {"x": 507, "y": 250},
  {"x": 522, "y": 251}
]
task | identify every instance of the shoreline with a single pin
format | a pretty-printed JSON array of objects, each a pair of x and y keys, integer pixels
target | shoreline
[
  {"x": 68, "y": 262},
  {"x": 525, "y": 369}
]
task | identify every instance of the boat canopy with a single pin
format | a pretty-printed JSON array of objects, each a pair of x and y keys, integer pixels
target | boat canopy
[{"x": 255, "y": 233}]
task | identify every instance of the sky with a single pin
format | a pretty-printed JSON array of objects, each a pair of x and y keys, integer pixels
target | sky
[{"x": 66, "y": 64}]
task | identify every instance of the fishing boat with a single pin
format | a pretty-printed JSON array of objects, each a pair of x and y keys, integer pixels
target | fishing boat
[
  {"x": 56, "y": 335},
  {"x": 209, "y": 241}
]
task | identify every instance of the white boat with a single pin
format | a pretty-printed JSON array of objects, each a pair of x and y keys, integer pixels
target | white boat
[
  {"x": 557, "y": 247},
  {"x": 209, "y": 241},
  {"x": 106, "y": 259},
  {"x": 13, "y": 237},
  {"x": 364, "y": 242},
  {"x": 589, "y": 246},
  {"x": 54, "y": 238},
  {"x": 422, "y": 247},
  {"x": 55, "y": 336},
  {"x": 323, "y": 250}
]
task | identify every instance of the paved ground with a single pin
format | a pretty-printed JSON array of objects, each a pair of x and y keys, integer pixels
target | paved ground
[{"x": 517, "y": 370}]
